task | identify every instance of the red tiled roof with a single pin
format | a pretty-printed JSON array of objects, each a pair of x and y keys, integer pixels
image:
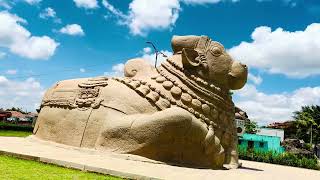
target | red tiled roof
[
  {"x": 5, "y": 114},
  {"x": 17, "y": 114}
]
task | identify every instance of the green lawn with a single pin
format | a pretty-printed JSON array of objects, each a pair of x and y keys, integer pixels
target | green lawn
[
  {"x": 13, "y": 168},
  {"x": 14, "y": 133}
]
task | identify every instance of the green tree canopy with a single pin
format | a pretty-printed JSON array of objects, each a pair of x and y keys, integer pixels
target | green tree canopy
[
  {"x": 251, "y": 127},
  {"x": 307, "y": 122},
  {"x": 17, "y": 109}
]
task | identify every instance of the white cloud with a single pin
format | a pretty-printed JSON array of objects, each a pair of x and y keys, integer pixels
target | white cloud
[
  {"x": 267, "y": 108},
  {"x": 145, "y": 15},
  {"x": 32, "y": 2},
  {"x": 152, "y": 14},
  {"x": 20, "y": 41},
  {"x": 117, "y": 71},
  {"x": 49, "y": 13},
  {"x": 87, "y": 4},
  {"x": 295, "y": 54},
  {"x": 148, "y": 55},
  {"x": 73, "y": 30},
  {"x": 36, "y": 48},
  {"x": 255, "y": 79},
  {"x": 11, "y": 71},
  {"x": 204, "y": 1},
  {"x": 113, "y": 10},
  {"x": 2, "y": 55},
  {"x": 82, "y": 70},
  {"x": 25, "y": 94},
  {"x": 5, "y": 4}
]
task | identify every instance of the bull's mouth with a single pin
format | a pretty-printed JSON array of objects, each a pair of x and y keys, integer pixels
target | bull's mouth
[{"x": 238, "y": 76}]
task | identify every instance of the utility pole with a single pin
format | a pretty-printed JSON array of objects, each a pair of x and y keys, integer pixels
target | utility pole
[{"x": 311, "y": 135}]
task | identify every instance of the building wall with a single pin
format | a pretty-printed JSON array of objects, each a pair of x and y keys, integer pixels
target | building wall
[
  {"x": 261, "y": 142},
  {"x": 271, "y": 132}
]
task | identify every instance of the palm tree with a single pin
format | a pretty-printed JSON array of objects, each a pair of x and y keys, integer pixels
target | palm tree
[{"x": 308, "y": 123}]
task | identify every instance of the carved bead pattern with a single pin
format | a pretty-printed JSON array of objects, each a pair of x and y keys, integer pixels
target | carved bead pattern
[
  {"x": 186, "y": 98},
  {"x": 214, "y": 113},
  {"x": 162, "y": 101},
  {"x": 200, "y": 80},
  {"x": 176, "y": 92},
  {"x": 196, "y": 103},
  {"x": 143, "y": 90},
  {"x": 153, "y": 96},
  {"x": 206, "y": 109},
  {"x": 160, "y": 79},
  {"x": 163, "y": 104},
  {"x": 187, "y": 81},
  {"x": 186, "y": 91},
  {"x": 167, "y": 85}
]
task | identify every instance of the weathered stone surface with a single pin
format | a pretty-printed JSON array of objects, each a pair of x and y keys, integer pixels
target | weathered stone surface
[{"x": 169, "y": 113}]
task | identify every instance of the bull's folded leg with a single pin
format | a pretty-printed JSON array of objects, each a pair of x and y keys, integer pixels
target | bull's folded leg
[
  {"x": 231, "y": 159},
  {"x": 172, "y": 135}
]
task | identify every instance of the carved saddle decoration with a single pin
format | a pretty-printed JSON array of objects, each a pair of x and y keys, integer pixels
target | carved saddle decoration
[{"x": 84, "y": 97}]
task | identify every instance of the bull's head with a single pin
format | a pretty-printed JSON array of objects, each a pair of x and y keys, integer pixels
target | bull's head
[{"x": 209, "y": 60}]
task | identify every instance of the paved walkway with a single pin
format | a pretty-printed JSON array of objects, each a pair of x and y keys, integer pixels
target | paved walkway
[{"x": 135, "y": 167}]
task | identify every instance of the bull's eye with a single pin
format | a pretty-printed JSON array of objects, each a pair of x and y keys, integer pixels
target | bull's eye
[{"x": 216, "y": 51}]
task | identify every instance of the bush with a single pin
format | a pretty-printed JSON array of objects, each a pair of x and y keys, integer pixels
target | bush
[
  {"x": 288, "y": 159},
  {"x": 15, "y": 127}
]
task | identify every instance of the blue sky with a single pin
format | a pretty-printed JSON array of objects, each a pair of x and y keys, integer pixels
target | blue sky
[{"x": 44, "y": 41}]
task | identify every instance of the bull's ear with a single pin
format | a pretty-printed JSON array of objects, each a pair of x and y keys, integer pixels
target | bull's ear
[{"x": 190, "y": 58}]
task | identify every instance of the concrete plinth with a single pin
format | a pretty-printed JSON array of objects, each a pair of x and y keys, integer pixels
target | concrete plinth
[{"x": 135, "y": 167}]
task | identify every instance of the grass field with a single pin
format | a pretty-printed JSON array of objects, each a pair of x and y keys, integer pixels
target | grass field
[
  {"x": 13, "y": 168},
  {"x": 14, "y": 133}
]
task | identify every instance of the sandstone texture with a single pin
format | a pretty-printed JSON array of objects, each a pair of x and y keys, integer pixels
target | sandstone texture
[{"x": 180, "y": 112}]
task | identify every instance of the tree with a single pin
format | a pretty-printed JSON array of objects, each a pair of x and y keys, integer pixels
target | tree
[
  {"x": 251, "y": 127},
  {"x": 17, "y": 109},
  {"x": 307, "y": 122}
]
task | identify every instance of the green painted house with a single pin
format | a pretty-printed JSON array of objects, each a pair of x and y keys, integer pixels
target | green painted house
[{"x": 260, "y": 142}]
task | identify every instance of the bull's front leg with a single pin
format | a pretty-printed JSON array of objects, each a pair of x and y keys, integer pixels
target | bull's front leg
[{"x": 172, "y": 135}]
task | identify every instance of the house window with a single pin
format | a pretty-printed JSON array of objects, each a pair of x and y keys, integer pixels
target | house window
[{"x": 261, "y": 144}]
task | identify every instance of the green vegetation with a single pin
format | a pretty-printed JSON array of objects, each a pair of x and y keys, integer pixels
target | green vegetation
[
  {"x": 16, "y": 109},
  {"x": 24, "y": 169},
  {"x": 8, "y": 129},
  {"x": 15, "y": 133},
  {"x": 287, "y": 159},
  {"x": 251, "y": 127},
  {"x": 15, "y": 127},
  {"x": 308, "y": 120}
]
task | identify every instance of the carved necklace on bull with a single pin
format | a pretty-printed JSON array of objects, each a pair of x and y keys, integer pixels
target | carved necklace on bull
[{"x": 214, "y": 94}]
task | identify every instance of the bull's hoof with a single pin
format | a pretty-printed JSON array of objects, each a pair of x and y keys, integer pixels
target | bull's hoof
[{"x": 232, "y": 166}]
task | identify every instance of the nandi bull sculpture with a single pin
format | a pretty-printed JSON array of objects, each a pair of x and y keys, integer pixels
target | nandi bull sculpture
[{"x": 180, "y": 112}]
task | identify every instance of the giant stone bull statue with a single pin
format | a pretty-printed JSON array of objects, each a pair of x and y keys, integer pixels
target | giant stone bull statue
[{"x": 179, "y": 112}]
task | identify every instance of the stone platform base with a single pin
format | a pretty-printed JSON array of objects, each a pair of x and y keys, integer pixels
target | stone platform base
[{"x": 135, "y": 167}]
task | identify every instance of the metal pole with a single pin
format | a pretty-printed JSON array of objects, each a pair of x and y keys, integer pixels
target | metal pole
[
  {"x": 311, "y": 135},
  {"x": 156, "y": 52}
]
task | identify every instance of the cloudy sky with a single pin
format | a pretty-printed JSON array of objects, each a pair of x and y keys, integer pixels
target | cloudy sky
[{"x": 44, "y": 41}]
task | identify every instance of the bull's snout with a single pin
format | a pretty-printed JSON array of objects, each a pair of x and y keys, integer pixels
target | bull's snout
[{"x": 237, "y": 77}]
